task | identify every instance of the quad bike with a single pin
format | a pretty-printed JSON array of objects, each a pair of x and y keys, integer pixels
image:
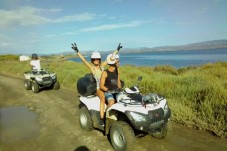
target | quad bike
[
  {"x": 132, "y": 113},
  {"x": 38, "y": 79}
]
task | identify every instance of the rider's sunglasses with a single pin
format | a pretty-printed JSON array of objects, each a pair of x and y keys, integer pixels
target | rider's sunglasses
[{"x": 95, "y": 59}]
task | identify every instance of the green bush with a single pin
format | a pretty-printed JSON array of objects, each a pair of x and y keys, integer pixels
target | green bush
[{"x": 9, "y": 57}]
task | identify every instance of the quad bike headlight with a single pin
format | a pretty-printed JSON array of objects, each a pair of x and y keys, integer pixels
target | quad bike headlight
[
  {"x": 53, "y": 77},
  {"x": 137, "y": 117},
  {"x": 38, "y": 79}
]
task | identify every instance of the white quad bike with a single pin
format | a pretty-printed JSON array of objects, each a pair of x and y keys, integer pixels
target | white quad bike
[
  {"x": 38, "y": 79},
  {"x": 132, "y": 114}
]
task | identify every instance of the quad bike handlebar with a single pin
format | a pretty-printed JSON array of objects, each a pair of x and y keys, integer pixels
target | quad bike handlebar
[{"x": 115, "y": 91}]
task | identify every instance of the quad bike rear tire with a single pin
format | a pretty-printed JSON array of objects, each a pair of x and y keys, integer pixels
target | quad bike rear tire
[
  {"x": 56, "y": 85},
  {"x": 122, "y": 136},
  {"x": 27, "y": 84},
  {"x": 35, "y": 87},
  {"x": 85, "y": 119}
]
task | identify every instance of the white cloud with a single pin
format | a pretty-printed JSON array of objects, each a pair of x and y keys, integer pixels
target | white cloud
[
  {"x": 69, "y": 33},
  {"x": 185, "y": 23},
  {"x": 112, "y": 26},
  {"x": 50, "y": 36},
  {"x": 4, "y": 43},
  {"x": 27, "y": 16},
  {"x": 24, "y": 16},
  {"x": 112, "y": 18},
  {"x": 33, "y": 41},
  {"x": 77, "y": 17},
  {"x": 55, "y": 10}
]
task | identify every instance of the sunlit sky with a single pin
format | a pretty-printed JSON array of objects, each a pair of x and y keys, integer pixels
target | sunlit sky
[{"x": 50, "y": 26}]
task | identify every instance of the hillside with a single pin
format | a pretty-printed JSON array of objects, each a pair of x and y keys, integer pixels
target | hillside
[{"x": 214, "y": 44}]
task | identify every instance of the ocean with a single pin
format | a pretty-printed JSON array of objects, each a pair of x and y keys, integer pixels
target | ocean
[{"x": 178, "y": 59}]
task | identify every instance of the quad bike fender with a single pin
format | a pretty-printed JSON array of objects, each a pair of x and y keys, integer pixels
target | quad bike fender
[
  {"x": 162, "y": 103},
  {"x": 91, "y": 102},
  {"x": 122, "y": 108},
  {"x": 27, "y": 76},
  {"x": 142, "y": 109},
  {"x": 117, "y": 107}
]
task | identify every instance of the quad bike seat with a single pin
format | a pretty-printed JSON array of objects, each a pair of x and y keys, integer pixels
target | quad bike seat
[{"x": 35, "y": 71}]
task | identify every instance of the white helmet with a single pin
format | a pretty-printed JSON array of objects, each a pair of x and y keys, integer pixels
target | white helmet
[
  {"x": 111, "y": 59},
  {"x": 95, "y": 55}
]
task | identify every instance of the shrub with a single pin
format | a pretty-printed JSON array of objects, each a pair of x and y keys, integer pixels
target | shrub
[
  {"x": 166, "y": 69},
  {"x": 9, "y": 57}
]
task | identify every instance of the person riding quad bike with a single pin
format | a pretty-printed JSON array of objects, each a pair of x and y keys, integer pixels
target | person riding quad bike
[{"x": 96, "y": 67}]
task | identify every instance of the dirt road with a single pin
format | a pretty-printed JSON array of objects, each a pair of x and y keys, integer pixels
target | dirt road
[{"x": 55, "y": 125}]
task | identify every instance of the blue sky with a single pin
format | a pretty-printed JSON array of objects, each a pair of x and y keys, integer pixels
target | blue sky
[{"x": 50, "y": 26}]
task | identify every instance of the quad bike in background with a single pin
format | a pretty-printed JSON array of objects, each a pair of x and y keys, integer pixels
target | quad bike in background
[
  {"x": 132, "y": 113},
  {"x": 36, "y": 80}
]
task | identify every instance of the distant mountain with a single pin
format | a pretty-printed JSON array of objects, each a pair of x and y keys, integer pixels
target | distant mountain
[
  {"x": 206, "y": 45},
  {"x": 214, "y": 44}
]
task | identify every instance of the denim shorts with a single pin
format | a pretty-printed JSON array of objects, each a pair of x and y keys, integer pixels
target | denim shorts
[{"x": 109, "y": 96}]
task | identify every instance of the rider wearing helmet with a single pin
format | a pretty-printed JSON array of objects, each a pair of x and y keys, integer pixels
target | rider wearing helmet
[
  {"x": 96, "y": 68},
  {"x": 35, "y": 62},
  {"x": 95, "y": 55}
]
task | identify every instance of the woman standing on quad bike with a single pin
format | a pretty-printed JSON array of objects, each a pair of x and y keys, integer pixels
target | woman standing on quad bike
[{"x": 96, "y": 68}]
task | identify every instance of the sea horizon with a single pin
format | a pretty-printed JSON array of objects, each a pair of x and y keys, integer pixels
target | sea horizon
[{"x": 178, "y": 59}]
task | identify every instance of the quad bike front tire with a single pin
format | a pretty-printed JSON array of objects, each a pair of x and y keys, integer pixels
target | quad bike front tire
[
  {"x": 27, "y": 84},
  {"x": 85, "y": 119},
  {"x": 35, "y": 87},
  {"x": 162, "y": 133},
  {"x": 122, "y": 136},
  {"x": 56, "y": 85}
]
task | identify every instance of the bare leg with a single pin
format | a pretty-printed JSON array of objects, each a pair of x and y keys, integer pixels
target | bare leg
[
  {"x": 102, "y": 102},
  {"x": 110, "y": 103}
]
